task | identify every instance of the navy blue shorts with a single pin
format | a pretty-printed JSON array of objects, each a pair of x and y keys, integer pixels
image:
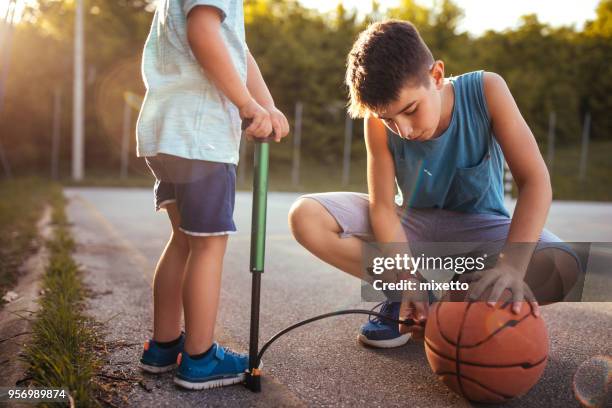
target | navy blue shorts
[{"x": 204, "y": 192}]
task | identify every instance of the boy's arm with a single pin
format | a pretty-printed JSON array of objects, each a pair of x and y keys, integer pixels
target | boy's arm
[
  {"x": 381, "y": 184},
  {"x": 384, "y": 220},
  {"x": 256, "y": 84},
  {"x": 525, "y": 163},
  {"x": 258, "y": 88},
  {"x": 535, "y": 195},
  {"x": 208, "y": 47},
  {"x": 203, "y": 34}
]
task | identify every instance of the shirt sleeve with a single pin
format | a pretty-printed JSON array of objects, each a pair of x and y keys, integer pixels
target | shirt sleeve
[{"x": 220, "y": 5}]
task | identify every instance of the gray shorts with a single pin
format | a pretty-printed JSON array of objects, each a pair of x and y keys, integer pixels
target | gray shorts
[{"x": 351, "y": 211}]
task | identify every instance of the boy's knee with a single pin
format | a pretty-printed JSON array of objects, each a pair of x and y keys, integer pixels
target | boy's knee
[
  {"x": 296, "y": 215},
  {"x": 301, "y": 217},
  {"x": 553, "y": 274},
  {"x": 309, "y": 220}
]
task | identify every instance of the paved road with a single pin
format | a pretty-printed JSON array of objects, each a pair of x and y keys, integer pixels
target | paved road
[{"x": 120, "y": 238}]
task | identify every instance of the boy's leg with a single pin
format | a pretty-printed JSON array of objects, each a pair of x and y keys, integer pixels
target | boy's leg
[
  {"x": 333, "y": 232},
  {"x": 551, "y": 275},
  {"x": 317, "y": 231},
  {"x": 201, "y": 288},
  {"x": 205, "y": 195},
  {"x": 167, "y": 284},
  {"x": 335, "y": 227}
]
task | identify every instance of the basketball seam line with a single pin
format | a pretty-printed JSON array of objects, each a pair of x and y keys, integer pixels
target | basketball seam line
[
  {"x": 509, "y": 323},
  {"x": 457, "y": 356},
  {"x": 523, "y": 365}
]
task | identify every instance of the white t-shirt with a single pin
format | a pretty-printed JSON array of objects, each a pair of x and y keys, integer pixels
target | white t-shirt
[{"x": 183, "y": 112}]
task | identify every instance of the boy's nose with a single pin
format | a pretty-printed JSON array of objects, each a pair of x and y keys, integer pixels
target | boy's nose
[{"x": 404, "y": 130}]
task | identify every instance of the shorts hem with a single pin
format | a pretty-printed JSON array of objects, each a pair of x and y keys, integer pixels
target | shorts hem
[
  {"x": 162, "y": 205},
  {"x": 206, "y": 234}
]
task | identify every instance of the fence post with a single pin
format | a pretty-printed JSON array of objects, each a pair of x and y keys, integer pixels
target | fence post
[
  {"x": 584, "y": 155},
  {"x": 78, "y": 104},
  {"x": 5, "y": 45},
  {"x": 297, "y": 140}
]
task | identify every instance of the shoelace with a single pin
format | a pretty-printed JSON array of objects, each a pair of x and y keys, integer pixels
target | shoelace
[
  {"x": 232, "y": 352},
  {"x": 386, "y": 308}
]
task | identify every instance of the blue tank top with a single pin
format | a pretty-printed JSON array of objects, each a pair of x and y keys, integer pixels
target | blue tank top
[{"x": 462, "y": 169}]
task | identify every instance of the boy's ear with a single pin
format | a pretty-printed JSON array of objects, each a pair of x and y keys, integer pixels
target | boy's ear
[{"x": 437, "y": 73}]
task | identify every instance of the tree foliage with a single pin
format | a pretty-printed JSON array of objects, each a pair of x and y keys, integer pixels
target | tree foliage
[{"x": 302, "y": 55}]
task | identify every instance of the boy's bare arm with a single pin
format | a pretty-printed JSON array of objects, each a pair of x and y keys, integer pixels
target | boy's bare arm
[
  {"x": 256, "y": 84},
  {"x": 535, "y": 194},
  {"x": 525, "y": 162},
  {"x": 381, "y": 184},
  {"x": 203, "y": 34},
  {"x": 384, "y": 220},
  {"x": 208, "y": 47},
  {"x": 258, "y": 88}
]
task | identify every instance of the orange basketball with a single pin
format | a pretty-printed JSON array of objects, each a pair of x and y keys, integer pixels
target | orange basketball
[{"x": 484, "y": 353}]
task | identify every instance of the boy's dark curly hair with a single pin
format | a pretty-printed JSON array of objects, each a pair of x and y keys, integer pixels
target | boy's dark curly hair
[{"x": 385, "y": 57}]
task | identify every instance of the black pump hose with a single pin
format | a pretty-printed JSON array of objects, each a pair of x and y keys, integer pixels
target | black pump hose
[{"x": 409, "y": 322}]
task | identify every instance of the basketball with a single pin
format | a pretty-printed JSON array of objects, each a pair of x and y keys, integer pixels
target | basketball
[{"x": 484, "y": 353}]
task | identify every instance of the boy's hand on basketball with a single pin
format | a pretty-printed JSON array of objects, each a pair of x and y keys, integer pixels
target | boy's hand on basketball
[
  {"x": 261, "y": 125},
  {"x": 415, "y": 306},
  {"x": 499, "y": 278},
  {"x": 279, "y": 123}
]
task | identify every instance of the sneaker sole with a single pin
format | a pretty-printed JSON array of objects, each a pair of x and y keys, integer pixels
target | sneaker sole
[
  {"x": 156, "y": 369},
  {"x": 206, "y": 385},
  {"x": 391, "y": 343}
]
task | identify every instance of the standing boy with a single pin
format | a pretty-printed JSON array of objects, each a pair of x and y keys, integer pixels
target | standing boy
[{"x": 201, "y": 82}]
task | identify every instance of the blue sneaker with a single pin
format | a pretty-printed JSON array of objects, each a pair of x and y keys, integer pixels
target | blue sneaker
[
  {"x": 156, "y": 359},
  {"x": 219, "y": 368},
  {"x": 382, "y": 333}
]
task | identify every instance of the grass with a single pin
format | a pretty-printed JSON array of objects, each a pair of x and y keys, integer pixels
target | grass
[
  {"x": 60, "y": 353},
  {"x": 20, "y": 208}
]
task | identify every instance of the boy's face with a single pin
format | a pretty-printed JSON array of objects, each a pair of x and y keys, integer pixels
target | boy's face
[{"x": 415, "y": 115}]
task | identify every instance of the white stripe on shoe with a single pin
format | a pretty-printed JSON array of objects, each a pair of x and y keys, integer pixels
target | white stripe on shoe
[
  {"x": 390, "y": 343},
  {"x": 205, "y": 385},
  {"x": 209, "y": 384}
]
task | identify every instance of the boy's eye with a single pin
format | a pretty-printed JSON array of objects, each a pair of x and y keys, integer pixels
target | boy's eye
[{"x": 410, "y": 113}]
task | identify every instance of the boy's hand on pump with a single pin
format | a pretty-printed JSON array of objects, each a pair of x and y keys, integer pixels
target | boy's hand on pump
[
  {"x": 279, "y": 123},
  {"x": 261, "y": 124}
]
